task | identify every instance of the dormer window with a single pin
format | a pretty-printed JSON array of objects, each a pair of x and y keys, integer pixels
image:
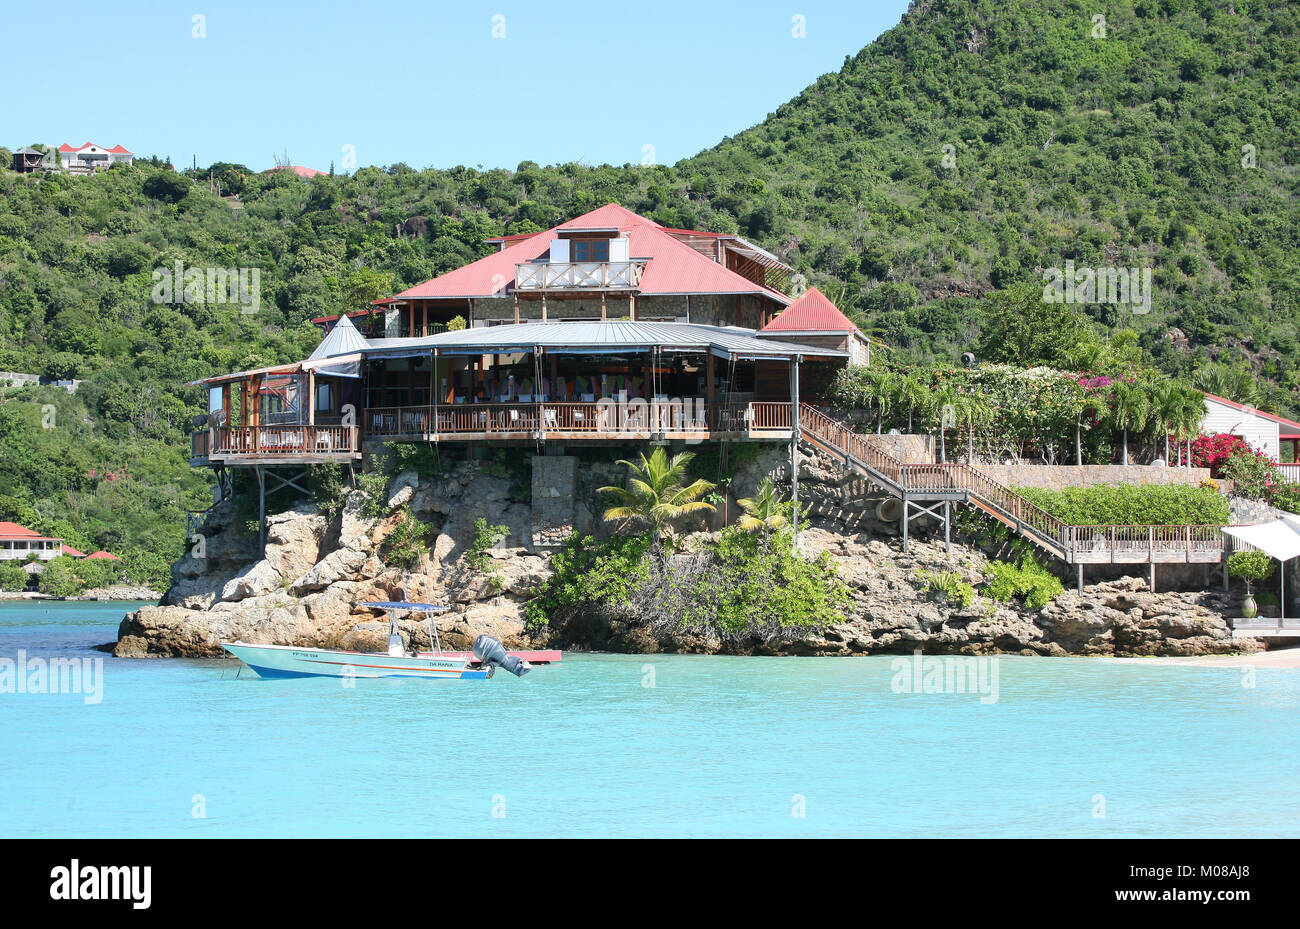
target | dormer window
[{"x": 589, "y": 249}]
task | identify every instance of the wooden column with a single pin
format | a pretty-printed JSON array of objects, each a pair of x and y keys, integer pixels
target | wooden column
[
  {"x": 711, "y": 413},
  {"x": 631, "y": 307},
  {"x": 311, "y": 396}
]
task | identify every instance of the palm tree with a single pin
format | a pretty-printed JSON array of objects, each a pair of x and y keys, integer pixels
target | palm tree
[
  {"x": 765, "y": 510},
  {"x": 655, "y": 494},
  {"x": 882, "y": 388},
  {"x": 942, "y": 409},
  {"x": 1130, "y": 410},
  {"x": 914, "y": 395},
  {"x": 1092, "y": 405},
  {"x": 973, "y": 409},
  {"x": 1167, "y": 401},
  {"x": 1187, "y": 424}
]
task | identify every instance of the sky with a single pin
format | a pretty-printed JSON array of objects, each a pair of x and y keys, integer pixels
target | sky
[{"x": 369, "y": 82}]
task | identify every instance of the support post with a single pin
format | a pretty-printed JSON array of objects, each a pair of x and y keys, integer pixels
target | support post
[
  {"x": 947, "y": 525},
  {"x": 1153, "y": 576},
  {"x": 261, "y": 512},
  {"x": 906, "y": 507},
  {"x": 1079, "y": 568},
  {"x": 794, "y": 446}
]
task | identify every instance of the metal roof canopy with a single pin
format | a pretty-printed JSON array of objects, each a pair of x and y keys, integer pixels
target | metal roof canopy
[{"x": 604, "y": 336}]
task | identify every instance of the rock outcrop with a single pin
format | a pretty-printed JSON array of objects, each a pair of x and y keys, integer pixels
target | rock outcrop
[{"x": 318, "y": 566}]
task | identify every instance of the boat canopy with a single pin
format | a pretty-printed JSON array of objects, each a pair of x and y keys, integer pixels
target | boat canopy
[{"x": 403, "y": 605}]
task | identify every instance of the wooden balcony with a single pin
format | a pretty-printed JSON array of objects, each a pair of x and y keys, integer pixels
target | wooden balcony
[
  {"x": 570, "y": 421},
  {"x": 236, "y": 445},
  {"x": 578, "y": 275}
]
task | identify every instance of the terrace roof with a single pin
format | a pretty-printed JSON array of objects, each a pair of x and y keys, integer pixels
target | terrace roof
[{"x": 601, "y": 337}]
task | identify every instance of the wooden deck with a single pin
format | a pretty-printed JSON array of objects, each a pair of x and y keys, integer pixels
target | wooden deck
[
  {"x": 569, "y": 422},
  {"x": 278, "y": 444}
]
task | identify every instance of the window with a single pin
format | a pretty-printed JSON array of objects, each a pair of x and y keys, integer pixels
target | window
[
  {"x": 590, "y": 250},
  {"x": 324, "y": 402}
]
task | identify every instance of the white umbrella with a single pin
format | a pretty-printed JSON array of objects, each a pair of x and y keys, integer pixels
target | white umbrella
[{"x": 1278, "y": 539}]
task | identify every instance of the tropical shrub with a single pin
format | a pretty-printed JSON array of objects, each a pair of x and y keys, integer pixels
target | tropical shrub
[
  {"x": 59, "y": 580},
  {"x": 1026, "y": 580},
  {"x": 407, "y": 542},
  {"x": 1132, "y": 505},
  {"x": 1250, "y": 566},
  {"x": 590, "y": 573},
  {"x": 12, "y": 576},
  {"x": 485, "y": 537},
  {"x": 950, "y": 584}
]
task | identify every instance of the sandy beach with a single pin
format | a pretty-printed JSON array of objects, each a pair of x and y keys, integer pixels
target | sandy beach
[{"x": 1288, "y": 657}]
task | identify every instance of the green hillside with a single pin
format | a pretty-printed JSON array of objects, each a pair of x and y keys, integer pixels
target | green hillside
[{"x": 967, "y": 149}]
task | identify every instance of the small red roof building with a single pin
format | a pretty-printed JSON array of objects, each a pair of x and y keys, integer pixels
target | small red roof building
[{"x": 103, "y": 555}]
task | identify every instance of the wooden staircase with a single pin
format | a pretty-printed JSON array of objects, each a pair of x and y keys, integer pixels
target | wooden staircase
[{"x": 966, "y": 484}]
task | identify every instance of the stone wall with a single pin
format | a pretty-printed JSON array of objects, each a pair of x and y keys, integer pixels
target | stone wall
[
  {"x": 1059, "y": 477},
  {"x": 555, "y": 486}
]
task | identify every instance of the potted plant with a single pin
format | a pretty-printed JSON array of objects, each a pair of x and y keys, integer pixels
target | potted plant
[{"x": 1250, "y": 566}]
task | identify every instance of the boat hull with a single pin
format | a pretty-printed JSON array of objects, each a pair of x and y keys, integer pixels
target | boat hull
[{"x": 284, "y": 661}]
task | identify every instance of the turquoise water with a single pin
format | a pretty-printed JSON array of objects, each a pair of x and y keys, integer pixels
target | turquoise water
[{"x": 718, "y": 746}]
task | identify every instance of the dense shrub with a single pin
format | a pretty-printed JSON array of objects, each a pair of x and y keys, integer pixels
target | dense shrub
[
  {"x": 590, "y": 573},
  {"x": 1027, "y": 581},
  {"x": 12, "y": 576},
  {"x": 1132, "y": 505},
  {"x": 955, "y": 591}
]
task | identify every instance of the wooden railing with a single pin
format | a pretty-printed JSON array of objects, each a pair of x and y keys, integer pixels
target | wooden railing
[
  {"x": 199, "y": 443},
  {"x": 578, "y": 275},
  {"x": 883, "y": 467},
  {"x": 657, "y": 417},
  {"x": 1068, "y": 542},
  {"x": 1290, "y": 471},
  {"x": 284, "y": 440}
]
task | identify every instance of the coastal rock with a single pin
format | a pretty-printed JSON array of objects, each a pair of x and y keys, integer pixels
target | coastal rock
[
  {"x": 343, "y": 564},
  {"x": 253, "y": 581}
]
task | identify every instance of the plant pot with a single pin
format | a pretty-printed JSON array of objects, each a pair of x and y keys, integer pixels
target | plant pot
[{"x": 1249, "y": 609}]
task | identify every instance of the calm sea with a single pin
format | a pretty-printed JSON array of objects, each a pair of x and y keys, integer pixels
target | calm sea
[{"x": 611, "y": 745}]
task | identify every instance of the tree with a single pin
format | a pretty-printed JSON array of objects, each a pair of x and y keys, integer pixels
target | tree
[
  {"x": 914, "y": 395},
  {"x": 1024, "y": 329},
  {"x": 12, "y": 576},
  {"x": 1130, "y": 410},
  {"x": 1250, "y": 566},
  {"x": 766, "y": 510},
  {"x": 656, "y": 495}
]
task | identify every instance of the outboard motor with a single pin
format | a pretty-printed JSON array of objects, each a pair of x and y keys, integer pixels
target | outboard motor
[{"x": 491, "y": 652}]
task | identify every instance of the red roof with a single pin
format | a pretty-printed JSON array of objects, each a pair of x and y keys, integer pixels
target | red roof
[
  {"x": 1293, "y": 427},
  {"x": 116, "y": 149},
  {"x": 15, "y": 531},
  {"x": 812, "y": 312},
  {"x": 69, "y": 550},
  {"x": 101, "y": 555},
  {"x": 298, "y": 170},
  {"x": 673, "y": 267}
]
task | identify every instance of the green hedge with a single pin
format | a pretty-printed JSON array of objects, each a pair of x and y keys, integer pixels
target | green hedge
[{"x": 1132, "y": 505}]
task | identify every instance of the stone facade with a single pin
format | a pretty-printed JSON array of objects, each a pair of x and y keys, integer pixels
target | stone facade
[
  {"x": 555, "y": 490},
  {"x": 1060, "y": 477}
]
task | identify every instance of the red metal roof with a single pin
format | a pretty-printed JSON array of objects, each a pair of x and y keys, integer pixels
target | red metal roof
[
  {"x": 15, "y": 531},
  {"x": 103, "y": 555},
  {"x": 812, "y": 312},
  {"x": 1293, "y": 427},
  {"x": 69, "y": 550},
  {"x": 673, "y": 266},
  {"x": 116, "y": 149},
  {"x": 298, "y": 170}
]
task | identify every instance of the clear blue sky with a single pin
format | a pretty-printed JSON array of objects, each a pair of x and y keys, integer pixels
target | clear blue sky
[{"x": 424, "y": 83}]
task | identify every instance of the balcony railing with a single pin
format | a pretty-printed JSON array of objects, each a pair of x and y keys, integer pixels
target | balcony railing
[
  {"x": 578, "y": 275},
  {"x": 276, "y": 441},
  {"x": 688, "y": 417}
]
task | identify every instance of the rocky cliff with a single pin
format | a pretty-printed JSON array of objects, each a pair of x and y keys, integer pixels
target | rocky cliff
[{"x": 317, "y": 566}]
